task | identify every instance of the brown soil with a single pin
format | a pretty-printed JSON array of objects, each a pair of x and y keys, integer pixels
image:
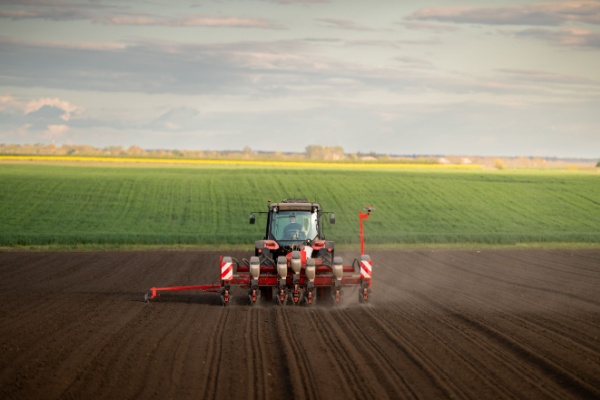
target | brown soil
[{"x": 442, "y": 324}]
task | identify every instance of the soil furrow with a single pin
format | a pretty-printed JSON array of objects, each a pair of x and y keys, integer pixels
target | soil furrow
[
  {"x": 529, "y": 360},
  {"x": 214, "y": 356},
  {"x": 463, "y": 343},
  {"x": 344, "y": 357},
  {"x": 556, "y": 372},
  {"x": 418, "y": 356},
  {"x": 387, "y": 364},
  {"x": 256, "y": 365},
  {"x": 302, "y": 376}
]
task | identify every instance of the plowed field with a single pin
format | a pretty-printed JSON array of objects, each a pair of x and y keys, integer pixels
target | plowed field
[{"x": 442, "y": 324}]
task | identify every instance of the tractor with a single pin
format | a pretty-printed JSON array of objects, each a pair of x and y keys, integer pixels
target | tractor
[{"x": 293, "y": 263}]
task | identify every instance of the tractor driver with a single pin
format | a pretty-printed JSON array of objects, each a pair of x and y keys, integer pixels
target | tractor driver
[{"x": 293, "y": 230}]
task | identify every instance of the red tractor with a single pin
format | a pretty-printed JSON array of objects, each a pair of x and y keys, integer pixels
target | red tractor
[{"x": 293, "y": 263}]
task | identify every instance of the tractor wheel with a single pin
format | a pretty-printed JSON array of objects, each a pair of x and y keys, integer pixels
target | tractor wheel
[
  {"x": 225, "y": 297},
  {"x": 361, "y": 295}
]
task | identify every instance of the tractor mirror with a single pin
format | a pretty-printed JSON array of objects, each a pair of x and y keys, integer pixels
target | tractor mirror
[
  {"x": 331, "y": 218},
  {"x": 252, "y": 219}
]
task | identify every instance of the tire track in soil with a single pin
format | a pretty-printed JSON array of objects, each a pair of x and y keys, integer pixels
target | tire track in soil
[
  {"x": 184, "y": 361},
  {"x": 215, "y": 355},
  {"x": 526, "y": 355},
  {"x": 384, "y": 366},
  {"x": 556, "y": 339},
  {"x": 447, "y": 337},
  {"x": 579, "y": 331},
  {"x": 442, "y": 380},
  {"x": 513, "y": 283},
  {"x": 132, "y": 363},
  {"x": 344, "y": 355},
  {"x": 557, "y": 373},
  {"x": 410, "y": 336},
  {"x": 508, "y": 359},
  {"x": 303, "y": 382},
  {"x": 566, "y": 336},
  {"x": 460, "y": 343},
  {"x": 63, "y": 342},
  {"x": 257, "y": 363}
]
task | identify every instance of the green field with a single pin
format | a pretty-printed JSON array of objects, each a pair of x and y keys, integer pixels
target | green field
[{"x": 65, "y": 205}]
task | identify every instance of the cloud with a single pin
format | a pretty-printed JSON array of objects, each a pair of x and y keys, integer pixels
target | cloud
[
  {"x": 45, "y": 118},
  {"x": 61, "y": 108},
  {"x": 573, "y": 37},
  {"x": 393, "y": 43},
  {"x": 9, "y": 103},
  {"x": 537, "y": 76},
  {"x": 427, "y": 26},
  {"x": 546, "y": 13},
  {"x": 344, "y": 24},
  {"x": 374, "y": 42},
  {"x": 106, "y": 15},
  {"x": 210, "y": 21},
  {"x": 413, "y": 62},
  {"x": 288, "y": 70},
  {"x": 233, "y": 68},
  {"x": 74, "y": 45},
  {"x": 56, "y": 10},
  {"x": 287, "y": 2},
  {"x": 67, "y": 108}
]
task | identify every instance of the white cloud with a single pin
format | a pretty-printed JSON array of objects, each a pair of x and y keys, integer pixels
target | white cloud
[
  {"x": 210, "y": 21},
  {"x": 572, "y": 37},
  {"x": 428, "y": 26},
  {"x": 286, "y": 2},
  {"x": 546, "y": 13},
  {"x": 344, "y": 24},
  {"x": 537, "y": 76},
  {"x": 73, "y": 45},
  {"x": 120, "y": 15},
  {"x": 8, "y": 103},
  {"x": 67, "y": 108}
]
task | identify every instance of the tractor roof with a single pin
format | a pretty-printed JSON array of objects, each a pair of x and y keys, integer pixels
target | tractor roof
[{"x": 295, "y": 205}]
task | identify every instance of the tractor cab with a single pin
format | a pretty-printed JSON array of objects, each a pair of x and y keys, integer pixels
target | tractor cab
[{"x": 292, "y": 224}]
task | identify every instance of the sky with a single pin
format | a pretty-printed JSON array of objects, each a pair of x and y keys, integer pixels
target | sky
[{"x": 488, "y": 78}]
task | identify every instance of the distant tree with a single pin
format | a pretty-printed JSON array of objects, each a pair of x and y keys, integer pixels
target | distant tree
[
  {"x": 115, "y": 150},
  {"x": 598, "y": 164},
  {"x": 499, "y": 164},
  {"x": 247, "y": 152},
  {"x": 316, "y": 152},
  {"x": 136, "y": 151}
]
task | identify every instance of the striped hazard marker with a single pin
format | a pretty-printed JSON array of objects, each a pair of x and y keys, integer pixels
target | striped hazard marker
[
  {"x": 365, "y": 269},
  {"x": 226, "y": 269}
]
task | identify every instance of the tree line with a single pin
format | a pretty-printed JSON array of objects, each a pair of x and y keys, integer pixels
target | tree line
[{"x": 311, "y": 152}]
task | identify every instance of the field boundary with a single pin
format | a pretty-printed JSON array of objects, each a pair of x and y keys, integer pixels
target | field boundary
[
  {"x": 233, "y": 162},
  {"x": 343, "y": 247}
]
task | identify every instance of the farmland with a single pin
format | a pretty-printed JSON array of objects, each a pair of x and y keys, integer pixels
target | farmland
[
  {"x": 116, "y": 205},
  {"x": 484, "y": 322},
  {"x": 444, "y": 324}
]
